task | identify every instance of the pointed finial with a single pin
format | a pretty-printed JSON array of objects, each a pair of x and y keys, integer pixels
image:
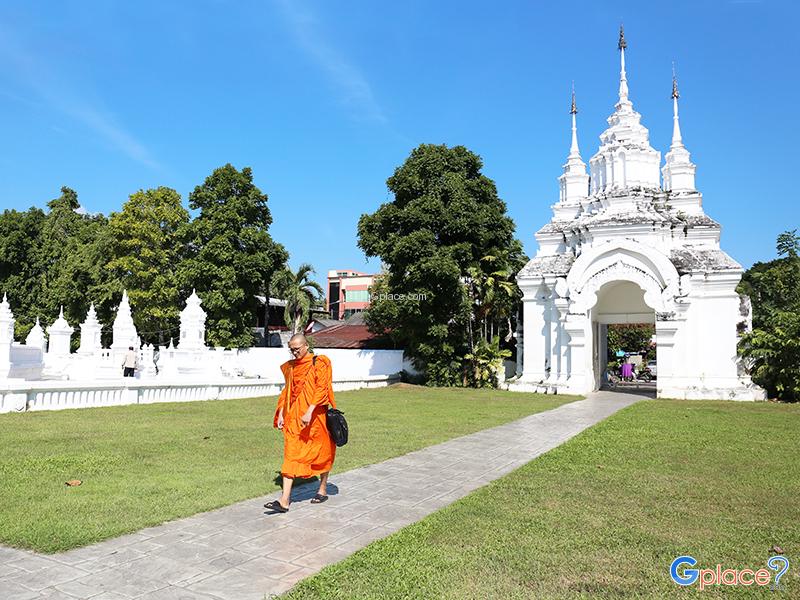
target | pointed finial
[
  {"x": 574, "y": 108},
  {"x": 573, "y": 149},
  {"x": 623, "y": 79},
  {"x": 677, "y": 140},
  {"x": 675, "y": 94},
  {"x": 5, "y": 297},
  {"x": 61, "y": 312}
]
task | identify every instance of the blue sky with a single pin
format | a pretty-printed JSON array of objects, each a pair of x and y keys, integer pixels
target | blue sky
[{"x": 325, "y": 99}]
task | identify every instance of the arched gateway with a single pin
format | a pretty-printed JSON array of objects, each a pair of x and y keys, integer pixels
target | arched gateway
[{"x": 624, "y": 249}]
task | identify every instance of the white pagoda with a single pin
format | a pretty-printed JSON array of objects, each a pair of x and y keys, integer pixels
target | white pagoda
[
  {"x": 624, "y": 248},
  {"x": 124, "y": 333}
]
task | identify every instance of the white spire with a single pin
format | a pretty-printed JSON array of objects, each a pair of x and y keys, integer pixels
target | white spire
[
  {"x": 623, "y": 79},
  {"x": 574, "y": 182},
  {"x": 676, "y": 126},
  {"x": 625, "y": 159},
  {"x": 678, "y": 170},
  {"x": 573, "y": 150}
]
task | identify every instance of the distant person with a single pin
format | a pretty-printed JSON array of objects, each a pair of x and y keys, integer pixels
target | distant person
[
  {"x": 130, "y": 363},
  {"x": 308, "y": 449}
]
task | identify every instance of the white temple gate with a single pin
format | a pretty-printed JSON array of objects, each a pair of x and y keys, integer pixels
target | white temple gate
[{"x": 622, "y": 248}]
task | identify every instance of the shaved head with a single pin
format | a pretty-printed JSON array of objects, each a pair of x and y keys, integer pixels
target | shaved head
[
  {"x": 298, "y": 338},
  {"x": 298, "y": 345}
]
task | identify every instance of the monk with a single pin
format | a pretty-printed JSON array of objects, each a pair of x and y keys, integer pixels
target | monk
[{"x": 308, "y": 449}]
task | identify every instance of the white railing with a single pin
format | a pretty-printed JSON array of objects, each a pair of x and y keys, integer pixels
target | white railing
[{"x": 21, "y": 396}]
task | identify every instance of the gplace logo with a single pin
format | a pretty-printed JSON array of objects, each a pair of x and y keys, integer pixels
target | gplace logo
[{"x": 719, "y": 576}]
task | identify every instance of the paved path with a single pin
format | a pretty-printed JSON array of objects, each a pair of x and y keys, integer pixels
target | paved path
[{"x": 241, "y": 553}]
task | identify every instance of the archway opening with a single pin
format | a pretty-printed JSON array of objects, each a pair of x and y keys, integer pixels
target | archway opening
[{"x": 624, "y": 352}]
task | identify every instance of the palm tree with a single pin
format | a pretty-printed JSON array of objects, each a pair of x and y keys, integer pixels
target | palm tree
[
  {"x": 300, "y": 292},
  {"x": 492, "y": 290}
]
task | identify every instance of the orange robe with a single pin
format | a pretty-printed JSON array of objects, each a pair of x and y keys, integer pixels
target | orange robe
[{"x": 307, "y": 451}]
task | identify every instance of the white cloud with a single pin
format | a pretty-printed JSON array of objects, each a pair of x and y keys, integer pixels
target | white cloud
[
  {"x": 60, "y": 95},
  {"x": 353, "y": 87}
]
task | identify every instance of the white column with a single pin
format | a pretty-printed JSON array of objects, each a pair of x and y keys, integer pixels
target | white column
[
  {"x": 665, "y": 346},
  {"x": 562, "y": 305},
  {"x": 579, "y": 380},
  {"x": 534, "y": 324},
  {"x": 553, "y": 347}
]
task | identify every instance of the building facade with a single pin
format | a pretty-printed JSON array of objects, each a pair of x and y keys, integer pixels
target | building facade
[
  {"x": 348, "y": 293},
  {"x": 625, "y": 246}
]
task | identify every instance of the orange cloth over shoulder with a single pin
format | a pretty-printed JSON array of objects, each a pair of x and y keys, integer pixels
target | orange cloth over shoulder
[{"x": 307, "y": 451}]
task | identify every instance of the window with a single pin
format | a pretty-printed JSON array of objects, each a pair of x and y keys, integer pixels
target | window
[{"x": 356, "y": 295}]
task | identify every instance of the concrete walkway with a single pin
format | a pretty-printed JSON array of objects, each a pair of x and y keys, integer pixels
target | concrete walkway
[{"x": 241, "y": 553}]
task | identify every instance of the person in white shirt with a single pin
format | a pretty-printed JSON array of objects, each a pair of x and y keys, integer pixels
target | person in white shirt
[{"x": 130, "y": 363}]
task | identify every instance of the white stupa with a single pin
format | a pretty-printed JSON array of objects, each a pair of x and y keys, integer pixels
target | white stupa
[
  {"x": 124, "y": 331},
  {"x": 36, "y": 337},
  {"x": 193, "y": 325},
  {"x": 623, "y": 248},
  {"x": 59, "y": 335},
  {"x": 90, "y": 333}
]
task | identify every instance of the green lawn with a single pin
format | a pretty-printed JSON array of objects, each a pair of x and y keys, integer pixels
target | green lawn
[
  {"x": 142, "y": 465},
  {"x": 604, "y": 515}
]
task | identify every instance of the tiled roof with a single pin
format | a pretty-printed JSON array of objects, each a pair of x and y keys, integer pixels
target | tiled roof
[
  {"x": 704, "y": 260},
  {"x": 557, "y": 265},
  {"x": 347, "y": 334}
]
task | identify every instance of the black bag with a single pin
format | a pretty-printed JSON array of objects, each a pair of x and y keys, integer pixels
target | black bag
[{"x": 337, "y": 426}]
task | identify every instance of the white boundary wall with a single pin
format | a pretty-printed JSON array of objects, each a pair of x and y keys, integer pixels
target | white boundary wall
[{"x": 352, "y": 369}]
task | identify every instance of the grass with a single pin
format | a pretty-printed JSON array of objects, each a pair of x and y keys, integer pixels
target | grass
[
  {"x": 143, "y": 465},
  {"x": 604, "y": 515}
]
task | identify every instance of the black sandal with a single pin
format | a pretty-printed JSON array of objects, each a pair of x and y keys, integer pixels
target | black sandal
[
  {"x": 318, "y": 499},
  {"x": 276, "y": 506}
]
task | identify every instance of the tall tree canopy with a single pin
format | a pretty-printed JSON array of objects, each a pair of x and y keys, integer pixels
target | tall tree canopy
[
  {"x": 19, "y": 261},
  {"x": 230, "y": 253},
  {"x": 64, "y": 268},
  {"x": 145, "y": 248},
  {"x": 773, "y": 347},
  {"x": 441, "y": 239},
  {"x": 64, "y": 256}
]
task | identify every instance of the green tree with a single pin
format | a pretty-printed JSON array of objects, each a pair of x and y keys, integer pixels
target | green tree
[
  {"x": 300, "y": 292},
  {"x": 772, "y": 349},
  {"x": 630, "y": 337},
  {"x": 231, "y": 255},
  {"x": 66, "y": 265},
  {"x": 145, "y": 248},
  {"x": 19, "y": 241},
  {"x": 445, "y": 218}
]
